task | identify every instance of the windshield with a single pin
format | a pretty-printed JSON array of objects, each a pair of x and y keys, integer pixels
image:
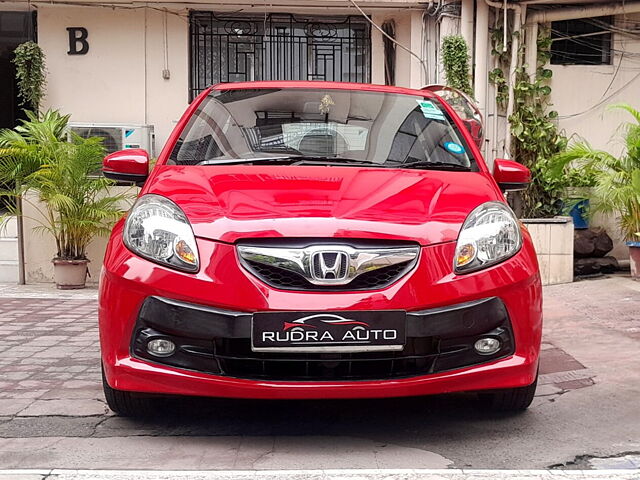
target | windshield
[{"x": 389, "y": 130}]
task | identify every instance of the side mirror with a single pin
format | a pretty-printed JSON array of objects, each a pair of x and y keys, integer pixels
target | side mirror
[
  {"x": 127, "y": 166},
  {"x": 511, "y": 176}
]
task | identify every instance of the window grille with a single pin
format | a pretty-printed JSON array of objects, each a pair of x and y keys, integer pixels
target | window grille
[
  {"x": 277, "y": 47},
  {"x": 586, "y": 41}
]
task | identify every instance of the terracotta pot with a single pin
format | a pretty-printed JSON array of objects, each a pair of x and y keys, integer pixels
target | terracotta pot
[
  {"x": 634, "y": 259},
  {"x": 70, "y": 274}
]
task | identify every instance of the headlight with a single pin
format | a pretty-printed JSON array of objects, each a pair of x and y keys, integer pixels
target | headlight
[
  {"x": 158, "y": 230},
  {"x": 490, "y": 235}
]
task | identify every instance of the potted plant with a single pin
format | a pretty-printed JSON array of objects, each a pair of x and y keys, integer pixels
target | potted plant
[
  {"x": 617, "y": 181},
  {"x": 577, "y": 194},
  {"x": 634, "y": 255},
  {"x": 61, "y": 177}
]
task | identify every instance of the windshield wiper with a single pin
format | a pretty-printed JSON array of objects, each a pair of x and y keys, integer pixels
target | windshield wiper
[
  {"x": 427, "y": 165},
  {"x": 320, "y": 160},
  {"x": 292, "y": 160},
  {"x": 238, "y": 161}
]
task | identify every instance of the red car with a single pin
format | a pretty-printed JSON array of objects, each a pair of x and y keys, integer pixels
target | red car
[{"x": 305, "y": 240}]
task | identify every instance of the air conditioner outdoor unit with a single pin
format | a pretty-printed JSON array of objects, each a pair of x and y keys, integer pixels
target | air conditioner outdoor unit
[{"x": 118, "y": 136}]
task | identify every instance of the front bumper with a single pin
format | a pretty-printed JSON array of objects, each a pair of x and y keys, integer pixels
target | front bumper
[
  {"x": 218, "y": 342},
  {"x": 218, "y": 302}
]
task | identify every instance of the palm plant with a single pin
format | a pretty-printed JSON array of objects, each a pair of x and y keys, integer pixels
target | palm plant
[
  {"x": 74, "y": 205},
  {"x": 617, "y": 178}
]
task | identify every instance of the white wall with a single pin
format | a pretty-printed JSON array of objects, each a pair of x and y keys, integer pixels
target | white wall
[
  {"x": 120, "y": 79},
  {"x": 582, "y": 93}
]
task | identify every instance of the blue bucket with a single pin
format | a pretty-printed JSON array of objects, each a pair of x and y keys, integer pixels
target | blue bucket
[{"x": 580, "y": 215}]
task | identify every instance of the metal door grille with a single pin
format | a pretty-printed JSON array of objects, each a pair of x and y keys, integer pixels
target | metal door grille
[{"x": 277, "y": 47}]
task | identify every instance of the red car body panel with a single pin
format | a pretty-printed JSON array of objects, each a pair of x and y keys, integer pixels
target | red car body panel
[
  {"x": 235, "y": 202},
  {"x": 228, "y": 203}
]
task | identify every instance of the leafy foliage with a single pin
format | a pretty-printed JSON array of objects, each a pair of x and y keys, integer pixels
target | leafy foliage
[
  {"x": 455, "y": 60},
  {"x": 30, "y": 73},
  {"x": 36, "y": 157},
  {"x": 536, "y": 140},
  {"x": 617, "y": 179},
  {"x": 535, "y": 135}
]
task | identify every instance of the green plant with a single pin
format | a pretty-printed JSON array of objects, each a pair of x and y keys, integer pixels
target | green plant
[
  {"x": 535, "y": 135},
  {"x": 617, "y": 179},
  {"x": 579, "y": 177},
  {"x": 455, "y": 61},
  {"x": 25, "y": 140},
  {"x": 30, "y": 73},
  {"x": 74, "y": 206}
]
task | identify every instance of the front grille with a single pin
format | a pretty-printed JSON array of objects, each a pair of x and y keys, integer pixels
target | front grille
[
  {"x": 288, "y": 280},
  {"x": 278, "y": 277},
  {"x": 233, "y": 357}
]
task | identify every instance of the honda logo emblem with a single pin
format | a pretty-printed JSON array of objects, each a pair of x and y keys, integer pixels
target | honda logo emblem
[{"x": 330, "y": 266}]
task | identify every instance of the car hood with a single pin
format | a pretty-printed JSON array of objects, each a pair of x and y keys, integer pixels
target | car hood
[{"x": 229, "y": 203}]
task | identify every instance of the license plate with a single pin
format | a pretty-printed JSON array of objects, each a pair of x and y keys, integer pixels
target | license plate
[{"x": 350, "y": 331}]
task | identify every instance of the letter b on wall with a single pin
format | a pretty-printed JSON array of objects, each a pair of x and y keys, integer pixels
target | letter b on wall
[{"x": 78, "y": 44}]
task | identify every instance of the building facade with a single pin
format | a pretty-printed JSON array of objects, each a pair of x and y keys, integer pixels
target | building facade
[
  {"x": 144, "y": 65},
  {"x": 127, "y": 63}
]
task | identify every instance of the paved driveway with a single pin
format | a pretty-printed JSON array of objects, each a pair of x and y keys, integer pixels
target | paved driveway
[{"x": 586, "y": 414}]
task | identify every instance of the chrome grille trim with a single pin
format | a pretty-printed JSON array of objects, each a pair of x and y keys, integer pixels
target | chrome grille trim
[{"x": 304, "y": 261}]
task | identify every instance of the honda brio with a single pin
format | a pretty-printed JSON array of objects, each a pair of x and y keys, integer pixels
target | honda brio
[{"x": 307, "y": 240}]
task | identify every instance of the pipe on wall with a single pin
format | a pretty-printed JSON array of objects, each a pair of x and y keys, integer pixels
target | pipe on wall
[
  {"x": 513, "y": 67},
  {"x": 466, "y": 23},
  {"x": 481, "y": 73},
  {"x": 515, "y": 48},
  {"x": 571, "y": 13},
  {"x": 531, "y": 49}
]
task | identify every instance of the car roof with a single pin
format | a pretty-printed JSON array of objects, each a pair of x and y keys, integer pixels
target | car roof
[{"x": 366, "y": 87}]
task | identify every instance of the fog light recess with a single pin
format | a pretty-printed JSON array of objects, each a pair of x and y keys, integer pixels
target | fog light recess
[
  {"x": 161, "y": 347},
  {"x": 487, "y": 345}
]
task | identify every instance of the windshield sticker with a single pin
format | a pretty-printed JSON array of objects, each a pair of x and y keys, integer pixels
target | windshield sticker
[
  {"x": 429, "y": 110},
  {"x": 454, "y": 148}
]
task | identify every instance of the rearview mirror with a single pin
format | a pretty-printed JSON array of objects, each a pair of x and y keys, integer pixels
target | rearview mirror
[
  {"x": 511, "y": 176},
  {"x": 127, "y": 166}
]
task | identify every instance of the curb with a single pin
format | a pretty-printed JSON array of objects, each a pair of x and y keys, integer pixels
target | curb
[{"x": 379, "y": 474}]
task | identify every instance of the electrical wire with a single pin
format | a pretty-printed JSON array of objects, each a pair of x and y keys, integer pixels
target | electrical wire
[
  {"x": 377, "y": 27},
  {"x": 123, "y": 6},
  {"x": 603, "y": 101},
  {"x": 612, "y": 28},
  {"x": 631, "y": 56},
  {"x": 615, "y": 75},
  {"x": 436, "y": 11}
]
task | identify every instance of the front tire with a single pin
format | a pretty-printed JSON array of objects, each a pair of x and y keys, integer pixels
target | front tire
[
  {"x": 128, "y": 404},
  {"x": 510, "y": 399}
]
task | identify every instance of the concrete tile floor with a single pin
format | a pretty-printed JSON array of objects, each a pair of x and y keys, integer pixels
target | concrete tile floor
[{"x": 53, "y": 415}]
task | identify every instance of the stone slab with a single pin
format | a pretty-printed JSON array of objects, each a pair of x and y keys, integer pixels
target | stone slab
[{"x": 67, "y": 407}]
